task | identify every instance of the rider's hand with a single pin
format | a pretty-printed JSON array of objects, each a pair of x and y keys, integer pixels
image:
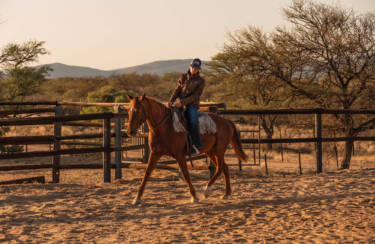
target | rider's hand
[{"x": 177, "y": 103}]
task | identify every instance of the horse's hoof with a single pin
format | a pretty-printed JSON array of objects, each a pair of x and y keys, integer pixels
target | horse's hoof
[
  {"x": 136, "y": 201},
  {"x": 194, "y": 200},
  {"x": 226, "y": 196},
  {"x": 206, "y": 191}
]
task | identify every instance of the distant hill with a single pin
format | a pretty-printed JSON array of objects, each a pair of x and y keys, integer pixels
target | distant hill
[
  {"x": 63, "y": 70},
  {"x": 157, "y": 67}
]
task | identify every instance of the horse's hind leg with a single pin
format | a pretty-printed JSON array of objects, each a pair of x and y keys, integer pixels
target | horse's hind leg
[
  {"x": 228, "y": 189},
  {"x": 153, "y": 159},
  {"x": 219, "y": 169},
  {"x": 185, "y": 173}
]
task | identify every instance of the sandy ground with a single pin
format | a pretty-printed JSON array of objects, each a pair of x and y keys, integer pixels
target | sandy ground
[{"x": 333, "y": 207}]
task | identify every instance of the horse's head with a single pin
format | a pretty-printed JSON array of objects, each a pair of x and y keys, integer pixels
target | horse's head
[{"x": 137, "y": 114}]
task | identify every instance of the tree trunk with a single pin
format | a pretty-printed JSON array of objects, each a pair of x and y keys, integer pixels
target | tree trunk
[
  {"x": 269, "y": 136},
  {"x": 348, "y": 150},
  {"x": 268, "y": 128},
  {"x": 345, "y": 163}
]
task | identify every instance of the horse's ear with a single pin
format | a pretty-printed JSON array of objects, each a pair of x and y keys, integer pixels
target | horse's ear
[
  {"x": 142, "y": 97},
  {"x": 129, "y": 97}
]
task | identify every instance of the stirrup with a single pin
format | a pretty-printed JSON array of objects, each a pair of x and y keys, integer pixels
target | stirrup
[{"x": 194, "y": 150}]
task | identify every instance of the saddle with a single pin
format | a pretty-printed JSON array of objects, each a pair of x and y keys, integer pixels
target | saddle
[{"x": 180, "y": 123}]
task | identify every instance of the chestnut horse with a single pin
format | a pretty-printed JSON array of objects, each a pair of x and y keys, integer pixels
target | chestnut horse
[{"x": 163, "y": 140}]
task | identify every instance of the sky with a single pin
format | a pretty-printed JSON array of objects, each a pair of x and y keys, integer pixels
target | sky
[{"x": 111, "y": 34}]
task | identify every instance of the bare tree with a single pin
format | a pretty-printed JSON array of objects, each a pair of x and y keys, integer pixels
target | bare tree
[
  {"x": 17, "y": 55},
  {"x": 246, "y": 88},
  {"x": 327, "y": 56}
]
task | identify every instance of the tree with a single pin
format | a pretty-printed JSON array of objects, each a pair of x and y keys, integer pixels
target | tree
[
  {"x": 257, "y": 90},
  {"x": 22, "y": 80},
  {"x": 19, "y": 55},
  {"x": 327, "y": 56}
]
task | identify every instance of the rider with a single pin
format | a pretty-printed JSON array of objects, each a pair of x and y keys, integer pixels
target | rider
[{"x": 187, "y": 93}]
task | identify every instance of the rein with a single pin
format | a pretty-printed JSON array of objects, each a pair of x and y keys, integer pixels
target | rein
[{"x": 159, "y": 124}]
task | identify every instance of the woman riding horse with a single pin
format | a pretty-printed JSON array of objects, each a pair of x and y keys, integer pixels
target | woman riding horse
[
  {"x": 187, "y": 93},
  {"x": 164, "y": 140}
]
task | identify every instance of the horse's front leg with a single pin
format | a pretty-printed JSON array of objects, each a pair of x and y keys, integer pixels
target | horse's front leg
[
  {"x": 153, "y": 159},
  {"x": 184, "y": 169}
]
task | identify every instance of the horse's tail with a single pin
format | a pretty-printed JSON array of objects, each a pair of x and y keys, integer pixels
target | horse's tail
[{"x": 236, "y": 144}]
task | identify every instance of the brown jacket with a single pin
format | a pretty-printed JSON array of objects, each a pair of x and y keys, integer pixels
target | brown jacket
[{"x": 189, "y": 89}]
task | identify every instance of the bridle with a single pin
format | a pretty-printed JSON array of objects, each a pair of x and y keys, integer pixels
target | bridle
[{"x": 157, "y": 126}]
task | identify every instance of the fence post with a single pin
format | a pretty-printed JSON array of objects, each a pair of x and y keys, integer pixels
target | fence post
[
  {"x": 56, "y": 146},
  {"x": 254, "y": 151},
  {"x": 118, "y": 109},
  {"x": 259, "y": 138},
  {"x": 106, "y": 146},
  {"x": 281, "y": 148},
  {"x": 318, "y": 136},
  {"x": 239, "y": 160}
]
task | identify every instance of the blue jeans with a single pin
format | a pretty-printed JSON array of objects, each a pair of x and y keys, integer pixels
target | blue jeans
[{"x": 192, "y": 116}]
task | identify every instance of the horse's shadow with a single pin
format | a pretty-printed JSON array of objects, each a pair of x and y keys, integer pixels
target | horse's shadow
[{"x": 209, "y": 207}]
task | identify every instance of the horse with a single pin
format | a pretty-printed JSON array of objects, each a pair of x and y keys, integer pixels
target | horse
[{"x": 163, "y": 140}]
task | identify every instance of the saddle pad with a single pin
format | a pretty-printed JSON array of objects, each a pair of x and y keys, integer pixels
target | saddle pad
[{"x": 206, "y": 123}]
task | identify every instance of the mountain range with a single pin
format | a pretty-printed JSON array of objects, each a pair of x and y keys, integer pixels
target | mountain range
[{"x": 157, "y": 67}]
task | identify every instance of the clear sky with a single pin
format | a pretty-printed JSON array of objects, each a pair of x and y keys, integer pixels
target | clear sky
[{"x": 109, "y": 34}]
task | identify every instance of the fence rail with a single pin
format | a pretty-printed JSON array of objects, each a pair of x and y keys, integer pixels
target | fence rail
[
  {"x": 106, "y": 148},
  {"x": 56, "y": 119},
  {"x": 294, "y": 111},
  {"x": 310, "y": 139},
  {"x": 29, "y": 103},
  {"x": 27, "y": 111}
]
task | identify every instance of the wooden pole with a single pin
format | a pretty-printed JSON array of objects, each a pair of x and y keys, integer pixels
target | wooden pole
[
  {"x": 265, "y": 164},
  {"x": 281, "y": 149},
  {"x": 353, "y": 149},
  {"x": 299, "y": 163},
  {"x": 254, "y": 153},
  {"x": 259, "y": 138},
  {"x": 239, "y": 160},
  {"x": 107, "y": 153},
  {"x": 56, "y": 146},
  {"x": 118, "y": 109},
  {"x": 318, "y": 136},
  {"x": 337, "y": 155}
]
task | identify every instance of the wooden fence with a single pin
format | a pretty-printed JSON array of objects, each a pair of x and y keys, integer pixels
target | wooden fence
[
  {"x": 58, "y": 120},
  {"x": 317, "y": 139}
]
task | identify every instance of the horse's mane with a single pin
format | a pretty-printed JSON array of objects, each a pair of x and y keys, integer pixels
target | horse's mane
[{"x": 152, "y": 100}]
